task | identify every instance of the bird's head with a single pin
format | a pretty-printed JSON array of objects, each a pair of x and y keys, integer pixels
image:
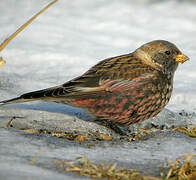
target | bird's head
[{"x": 161, "y": 55}]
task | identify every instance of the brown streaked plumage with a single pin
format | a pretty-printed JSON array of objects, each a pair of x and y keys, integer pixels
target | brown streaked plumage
[{"x": 124, "y": 89}]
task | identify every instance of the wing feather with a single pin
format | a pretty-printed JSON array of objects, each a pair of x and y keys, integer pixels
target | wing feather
[{"x": 113, "y": 74}]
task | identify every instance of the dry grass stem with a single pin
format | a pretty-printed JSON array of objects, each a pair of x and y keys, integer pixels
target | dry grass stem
[
  {"x": 189, "y": 132},
  {"x": 12, "y": 36},
  {"x": 2, "y": 62},
  {"x": 82, "y": 166},
  {"x": 6, "y": 41},
  {"x": 183, "y": 168}
]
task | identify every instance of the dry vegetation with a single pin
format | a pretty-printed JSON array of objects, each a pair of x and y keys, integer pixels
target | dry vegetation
[
  {"x": 184, "y": 168},
  {"x": 188, "y": 131},
  {"x": 2, "y": 62},
  {"x": 13, "y": 35}
]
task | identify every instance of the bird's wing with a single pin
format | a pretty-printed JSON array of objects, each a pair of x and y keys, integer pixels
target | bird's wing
[
  {"x": 105, "y": 85},
  {"x": 109, "y": 75}
]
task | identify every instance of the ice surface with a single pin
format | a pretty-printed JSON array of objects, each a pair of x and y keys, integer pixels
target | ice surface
[
  {"x": 18, "y": 149},
  {"x": 71, "y": 36}
]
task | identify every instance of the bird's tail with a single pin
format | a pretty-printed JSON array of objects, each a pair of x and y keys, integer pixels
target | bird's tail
[
  {"x": 15, "y": 101},
  {"x": 31, "y": 96}
]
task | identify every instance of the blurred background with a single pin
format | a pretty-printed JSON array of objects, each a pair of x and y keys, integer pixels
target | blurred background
[{"x": 72, "y": 36}]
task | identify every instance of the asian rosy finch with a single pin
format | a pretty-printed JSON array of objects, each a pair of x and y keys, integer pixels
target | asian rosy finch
[{"x": 122, "y": 90}]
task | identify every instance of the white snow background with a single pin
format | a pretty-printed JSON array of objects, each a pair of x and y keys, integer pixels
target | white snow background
[{"x": 72, "y": 36}]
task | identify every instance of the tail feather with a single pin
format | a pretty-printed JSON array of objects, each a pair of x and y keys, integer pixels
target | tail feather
[
  {"x": 15, "y": 101},
  {"x": 44, "y": 94},
  {"x": 31, "y": 96}
]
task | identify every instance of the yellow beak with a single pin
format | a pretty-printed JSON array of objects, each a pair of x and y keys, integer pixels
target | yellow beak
[{"x": 181, "y": 58}]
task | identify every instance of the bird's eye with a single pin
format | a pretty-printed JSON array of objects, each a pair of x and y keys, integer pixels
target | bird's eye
[{"x": 167, "y": 52}]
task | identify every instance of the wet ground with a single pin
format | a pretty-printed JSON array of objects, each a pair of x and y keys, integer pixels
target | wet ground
[{"x": 30, "y": 145}]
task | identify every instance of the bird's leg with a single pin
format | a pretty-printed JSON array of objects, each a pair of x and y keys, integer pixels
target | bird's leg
[{"x": 116, "y": 128}]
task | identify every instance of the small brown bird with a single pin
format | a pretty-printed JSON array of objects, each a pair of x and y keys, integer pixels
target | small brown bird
[{"x": 121, "y": 90}]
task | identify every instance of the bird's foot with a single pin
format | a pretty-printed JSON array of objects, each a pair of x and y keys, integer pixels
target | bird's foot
[{"x": 117, "y": 129}]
